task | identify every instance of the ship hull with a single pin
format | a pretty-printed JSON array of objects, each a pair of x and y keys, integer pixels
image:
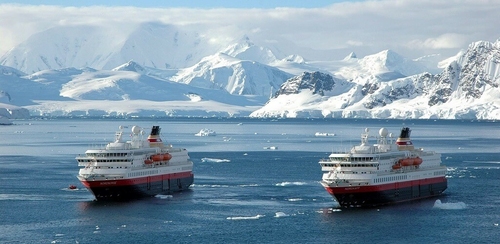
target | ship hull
[
  {"x": 376, "y": 195},
  {"x": 135, "y": 188}
]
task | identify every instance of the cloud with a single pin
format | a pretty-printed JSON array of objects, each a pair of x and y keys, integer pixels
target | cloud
[
  {"x": 448, "y": 40},
  {"x": 411, "y": 28},
  {"x": 354, "y": 43}
]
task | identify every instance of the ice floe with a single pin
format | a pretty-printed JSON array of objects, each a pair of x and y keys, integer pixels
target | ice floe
[
  {"x": 280, "y": 214},
  {"x": 457, "y": 205},
  {"x": 291, "y": 184},
  {"x": 159, "y": 196},
  {"x": 215, "y": 160},
  {"x": 258, "y": 216}
]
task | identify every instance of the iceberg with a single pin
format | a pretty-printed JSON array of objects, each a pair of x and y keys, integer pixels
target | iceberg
[{"x": 206, "y": 132}]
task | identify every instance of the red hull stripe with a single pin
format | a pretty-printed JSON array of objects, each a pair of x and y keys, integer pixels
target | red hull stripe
[
  {"x": 136, "y": 181},
  {"x": 404, "y": 143},
  {"x": 154, "y": 140},
  {"x": 384, "y": 187}
]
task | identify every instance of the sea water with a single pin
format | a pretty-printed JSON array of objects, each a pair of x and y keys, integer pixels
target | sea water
[{"x": 257, "y": 181}]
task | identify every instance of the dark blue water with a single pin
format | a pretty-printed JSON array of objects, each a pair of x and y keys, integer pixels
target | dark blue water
[{"x": 245, "y": 194}]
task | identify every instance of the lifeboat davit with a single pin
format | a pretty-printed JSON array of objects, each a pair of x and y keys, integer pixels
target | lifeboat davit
[
  {"x": 417, "y": 161},
  {"x": 148, "y": 161},
  {"x": 406, "y": 161}
]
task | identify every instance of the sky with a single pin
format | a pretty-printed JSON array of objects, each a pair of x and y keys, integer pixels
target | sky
[
  {"x": 410, "y": 28},
  {"x": 187, "y": 3}
]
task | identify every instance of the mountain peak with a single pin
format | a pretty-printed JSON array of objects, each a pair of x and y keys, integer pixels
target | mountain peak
[
  {"x": 484, "y": 45},
  {"x": 245, "y": 49},
  {"x": 295, "y": 59},
  {"x": 388, "y": 61},
  {"x": 130, "y": 66},
  {"x": 351, "y": 55}
]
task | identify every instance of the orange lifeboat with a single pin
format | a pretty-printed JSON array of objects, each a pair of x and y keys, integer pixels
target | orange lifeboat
[
  {"x": 396, "y": 166},
  {"x": 161, "y": 157},
  {"x": 148, "y": 161},
  {"x": 406, "y": 161},
  {"x": 417, "y": 161},
  {"x": 166, "y": 156},
  {"x": 157, "y": 157}
]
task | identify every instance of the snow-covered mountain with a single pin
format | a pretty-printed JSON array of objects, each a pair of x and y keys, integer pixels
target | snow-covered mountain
[
  {"x": 161, "y": 70},
  {"x": 467, "y": 88},
  {"x": 8, "y": 110},
  {"x": 150, "y": 44},
  {"x": 245, "y": 49},
  {"x": 119, "y": 92},
  {"x": 236, "y": 76}
]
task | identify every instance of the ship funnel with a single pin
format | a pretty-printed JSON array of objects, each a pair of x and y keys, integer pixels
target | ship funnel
[
  {"x": 154, "y": 138},
  {"x": 404, "y": 141}
]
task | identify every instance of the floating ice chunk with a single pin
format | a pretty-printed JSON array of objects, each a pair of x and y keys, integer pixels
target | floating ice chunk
[
  {"x": 206, "y": 132},
  {"x": 249, "y": 185},
  {"x": 330, "y": 210},
  {"x": 324, "y": 134},
  {"x": 280, "y": 214},
  {"x": 215, "y": 160},
  {"x": 163, "y": 196},
  {"x": 271, "y": 148},
  {"x": 291, "y": 183},
  {"x": 258, "y": 216},
  {"x": 457, "y": 205}
]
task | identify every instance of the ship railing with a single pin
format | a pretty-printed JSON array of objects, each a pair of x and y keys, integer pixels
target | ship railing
[
  {"x": 171, "y": 149},
  {"x": 324, "y": 160},
  {"x": 97, "y": 146},
  {"x": 346, "y": 182},
  {"x": 425, "y": 153},
  {"x": 359, "y": 183},
  {"x": 82, "y": 164},
  {"x": 103, "y": 177}
]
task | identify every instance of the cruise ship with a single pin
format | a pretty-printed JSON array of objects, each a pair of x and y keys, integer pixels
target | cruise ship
[
  {"x": 135, "y": 168},
  {"x": 386, "y": 172}
]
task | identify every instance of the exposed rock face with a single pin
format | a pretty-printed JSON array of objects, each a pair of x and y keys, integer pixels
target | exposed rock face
[{"x": 317, "y": 82}]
